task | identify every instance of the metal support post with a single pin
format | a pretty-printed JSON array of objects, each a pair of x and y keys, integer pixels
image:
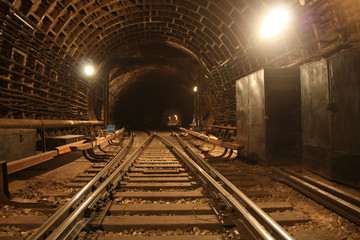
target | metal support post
[{"x": 4, "y": 184}]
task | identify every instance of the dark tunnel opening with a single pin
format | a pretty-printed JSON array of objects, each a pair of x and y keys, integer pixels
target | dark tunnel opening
[{"x": 142, "y": 105}]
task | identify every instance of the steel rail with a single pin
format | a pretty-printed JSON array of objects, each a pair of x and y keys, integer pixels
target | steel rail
[
  {"x": 335, "y": 203},
  {"x": 74, "y": 222},
  {"x": 331, "y": 189},
  {"x": 52, "y": 222},
  {"x": 271, "y": 226},
  {"x": 253, "y": 228}
]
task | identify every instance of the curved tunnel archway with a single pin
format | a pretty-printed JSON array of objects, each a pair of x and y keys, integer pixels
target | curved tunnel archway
[
  {"x": 145, "y": 101},
  {"x": 149, "y": 80}
]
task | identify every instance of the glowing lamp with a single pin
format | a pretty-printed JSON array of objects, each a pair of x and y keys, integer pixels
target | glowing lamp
[
  {"x": 274, "y": 23},
  {"x": 89, "y": 70}
]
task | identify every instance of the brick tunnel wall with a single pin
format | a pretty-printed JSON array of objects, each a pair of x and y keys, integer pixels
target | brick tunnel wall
[
  {"x": 223, "y": 35},
  {"x": 35, "y": 81}
]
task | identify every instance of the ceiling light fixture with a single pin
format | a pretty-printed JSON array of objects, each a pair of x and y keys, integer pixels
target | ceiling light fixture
[
  {"x": 89, "y": 70},
  {"x": 274, "y": 23}
]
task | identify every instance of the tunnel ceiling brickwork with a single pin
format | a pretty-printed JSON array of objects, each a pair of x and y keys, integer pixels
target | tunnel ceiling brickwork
[
  {"x": 223, "y": 35},
  {"x": 215, "y": 31}
]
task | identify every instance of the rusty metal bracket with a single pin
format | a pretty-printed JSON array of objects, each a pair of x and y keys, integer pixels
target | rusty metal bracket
[{"x": 4, "y": 184}]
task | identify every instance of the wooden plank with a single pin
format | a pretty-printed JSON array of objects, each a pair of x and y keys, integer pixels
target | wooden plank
[
  {"x": 289, "y": 218},
  {"x": 101, "y": 140},
  {"x": 93, "y": 170},
  {"x": 15, "y": 166},
  {"x": 58, "y": 194},
  {"x": 26, "y": 222},
  {"x": 158, "y": 162},
  {"x": 81, "y": 179},
  {"x": 87, "y": 175},
  {"x": 98, "y": 165},
  {"x": 170, "y": 165},
  {"x": 160, "y": 195},
  {"x": 84, "y": 146},
  {"x": 232, "y": 145},
  {"x": 119, "y": 209},
  {"x": 149, "y": 171},
  {"x": 67, "y": 148},
  {"x": 158, "y": 179},
  {"x": 172, "y": 237},
  {"x": 116, "y": 223},
  {"x": 175, "y": 174},
  {"x": 157, "y": 185},
  {"x": 274, "y": 206}
]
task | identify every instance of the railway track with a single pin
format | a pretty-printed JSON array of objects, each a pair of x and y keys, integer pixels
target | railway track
[
  {"x": 262, "y": 185},
  {"x": 333, "y": 198},
  {"x": 161, "y": 186},
  {"x": 154, "y": 189}
]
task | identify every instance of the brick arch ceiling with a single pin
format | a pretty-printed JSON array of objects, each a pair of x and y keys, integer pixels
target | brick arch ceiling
[
  {"x": 222, "y": 34},
  {"x": 94, "y": 29}
]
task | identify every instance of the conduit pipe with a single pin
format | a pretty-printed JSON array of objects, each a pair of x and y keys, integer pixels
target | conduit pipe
[{"x": 38, "y": 123}]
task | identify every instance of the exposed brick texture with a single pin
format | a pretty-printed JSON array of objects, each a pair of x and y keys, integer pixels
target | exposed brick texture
[{"x": 222, "y": 35}]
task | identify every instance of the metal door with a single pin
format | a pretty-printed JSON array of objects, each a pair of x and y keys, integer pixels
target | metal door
[
  {"x": 256, "y": 117},
  {"x": 344, "y": 71},
  {"x": 316, "y": 117}
]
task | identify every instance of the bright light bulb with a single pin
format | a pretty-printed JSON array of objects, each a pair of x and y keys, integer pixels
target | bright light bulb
[
  {"x": 89, "y": 70},
  {"x": 274, "y": 23},
  {"x": 195, "y": 89}
]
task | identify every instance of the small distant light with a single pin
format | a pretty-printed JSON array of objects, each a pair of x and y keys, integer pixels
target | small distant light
[
  {"x": 274, "y": 23},
  {"x": 195, "y": 89},
  {"x": 89, "y": 70},
  {"x": 176, "y": 117}
]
